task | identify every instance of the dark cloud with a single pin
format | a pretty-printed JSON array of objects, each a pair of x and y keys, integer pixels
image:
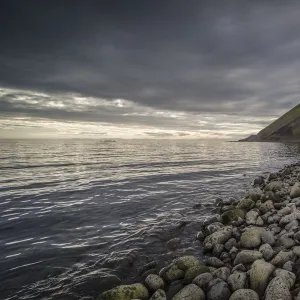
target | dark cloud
[{"x": 227, "y": 57}]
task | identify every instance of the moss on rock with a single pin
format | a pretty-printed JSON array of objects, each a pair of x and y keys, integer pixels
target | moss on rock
[
  {"x": 232, "y": 215},
  {"x": 259, "y": 275},
  {"x": 193, "y": 272},
  {"x": 251, "y": 238},
  {"x": 246, "y": 204},
  {"x": 173, "y": 274},
  {"x": 126, "y": 292},
  {"x": 186, "y": 262}
]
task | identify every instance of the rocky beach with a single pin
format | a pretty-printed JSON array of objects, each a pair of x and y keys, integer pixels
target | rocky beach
[{"x": 250, "y": 250}]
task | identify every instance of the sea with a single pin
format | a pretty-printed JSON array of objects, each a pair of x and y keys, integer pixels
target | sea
[{"x": 77, "y": 215}]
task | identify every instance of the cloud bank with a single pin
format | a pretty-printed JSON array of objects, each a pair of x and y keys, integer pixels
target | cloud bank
[{"x": 201, "y": 69}]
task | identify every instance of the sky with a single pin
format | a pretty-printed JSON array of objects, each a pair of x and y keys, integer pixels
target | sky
[{"x": 211, "y": 69}]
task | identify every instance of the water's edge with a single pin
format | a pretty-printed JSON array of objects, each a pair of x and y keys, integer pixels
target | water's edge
[{"x": 246, "y": 238}]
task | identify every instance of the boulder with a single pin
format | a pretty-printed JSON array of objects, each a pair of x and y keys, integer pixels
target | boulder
[
  {"x": 267, "y": 251},
  {"x": 281, "y": 258},
  {"x": 218, "y": 249},
  {"x": 289, "y": 218},
  {"x": 246, "y": 204},
  {"x": 238, "y": 268},
  {"x": 244, "y": 294},
  {"x": 296, "y": 251},
  {"x": 253, "y": 194},
  {"x": 237, "y": 281},
  {"x": 251, "y": 217},
  {"x": 230, "y": 243},
  {"x": 222, "y": 273},
  {"x": 213, "y": 227},
  {"x": 219, "y": 291},
  {"x": 284, "y": 211},
  {"x": 273, "y": 186},
  {"x": 277, "y": 290},
  {"x": 173, "y": 273},
  {"x": 219, "y": 237},
  {"x": 126, "y": 292},
  {"x": 286, "y": 242},
  {"x": 292, "y": 226},
  {"x": 266, "y": 207},
  {"x": 159, "y": 295},
  {"x": 289, "y": 265},
  {"x": 259, "y": 221},
  {"x": 154, "y": 282},
  {"x": 193, "y": 272},
  {"x": 259, "y": 181},
  {"x": 200, "y": 236},
  {"x": 214, "y": 282},
  {"x": 247, "y": 256},
  {"x": 174, "y": 288},
  {"x": 251, "y": 238},
  {"x": 295, "y": 191},
  {"x": 288, "y": 277},
  {"x": 214, "y": 262},
  {"x": 202, "y": 280},
  {"x": 233, "y": 252},
  {"x": 297, "y": 236},
  {"x": 267, "y": 237},
  {"x": 190, "y": 292},
  {"x": 260, "y": 273},
  {"x": 186, "y": 262},
  {"x": 232, "y": 215}
]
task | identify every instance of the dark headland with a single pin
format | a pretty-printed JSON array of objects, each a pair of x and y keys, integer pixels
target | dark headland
[
  {"x": 251, "y": 250},
  {"x": 285, "y": 128}
]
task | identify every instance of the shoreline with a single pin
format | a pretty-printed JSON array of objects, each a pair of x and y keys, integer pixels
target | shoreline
[{"x": 250, "y": 248}]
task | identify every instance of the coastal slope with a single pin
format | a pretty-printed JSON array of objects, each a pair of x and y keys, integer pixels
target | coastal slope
[{"x": 285, "y": 128}]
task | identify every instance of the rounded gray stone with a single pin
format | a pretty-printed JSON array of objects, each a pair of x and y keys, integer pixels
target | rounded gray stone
[
  {"x": 222, "y": 273},
  {"x": 219, "y": 291},
  {"x": 277, "y": 290},
  {"x": 267, "y": 237},
  {"x": 159, "y": 295},
  {"x": 267, "y": 251},
  {"x": 286, "y": 242},
  {"x": 214, "y": 262},
  {"x": 251, "y": 238},
  {"x": 247, "y": 256},
  {"x": 237, "y": 281},
  {"x": 230, "y": 243},
  {"x": 154, "y": 282},
  {"x": 219, "y": 237},
  {"x": 288, "y": 277},
  {"x": 244, "y": 294},
  {"x": 260, "y": 273},
  {"x": 281, "y": 258},
  {"x": 202, "y": 280},
  {"x": 190, "y": 292}
]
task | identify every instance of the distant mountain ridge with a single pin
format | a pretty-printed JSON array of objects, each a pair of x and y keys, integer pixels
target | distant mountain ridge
[{"x": 285, "y": 128}]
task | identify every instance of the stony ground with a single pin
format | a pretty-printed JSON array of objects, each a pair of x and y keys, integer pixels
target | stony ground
[{"x": 252, "y": 250}]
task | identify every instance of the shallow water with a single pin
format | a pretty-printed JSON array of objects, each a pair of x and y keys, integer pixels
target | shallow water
[{"x": 73, "y": 210}]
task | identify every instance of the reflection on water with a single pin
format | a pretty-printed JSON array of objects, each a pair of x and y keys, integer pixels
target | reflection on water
[{"x": 71, "y": 208}]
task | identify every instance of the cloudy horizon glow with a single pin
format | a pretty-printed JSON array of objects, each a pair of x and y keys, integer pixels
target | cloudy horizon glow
[{"x": 147, "y": 69}]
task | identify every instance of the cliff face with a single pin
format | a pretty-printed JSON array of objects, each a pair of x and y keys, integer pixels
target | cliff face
[{"x": 286, "y": 128}]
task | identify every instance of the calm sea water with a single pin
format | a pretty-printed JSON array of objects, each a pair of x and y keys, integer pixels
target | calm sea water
[{"x": 73, "y": 211}]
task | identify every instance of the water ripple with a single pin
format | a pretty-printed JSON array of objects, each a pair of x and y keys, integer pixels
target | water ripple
[{"x": 73, "y": 212}]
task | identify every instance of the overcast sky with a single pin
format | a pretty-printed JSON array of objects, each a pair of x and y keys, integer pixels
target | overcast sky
[{"x": 155, "y": 68}]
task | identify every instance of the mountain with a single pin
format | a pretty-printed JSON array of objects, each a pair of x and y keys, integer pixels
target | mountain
[{"x": 286, "y": 128}]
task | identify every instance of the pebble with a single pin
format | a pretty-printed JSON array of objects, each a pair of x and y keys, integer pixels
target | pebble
[
  {"x": 219, "y": 291},
  {"x": 267, "y": 237},
  {"x": 244, "y": 294}
]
